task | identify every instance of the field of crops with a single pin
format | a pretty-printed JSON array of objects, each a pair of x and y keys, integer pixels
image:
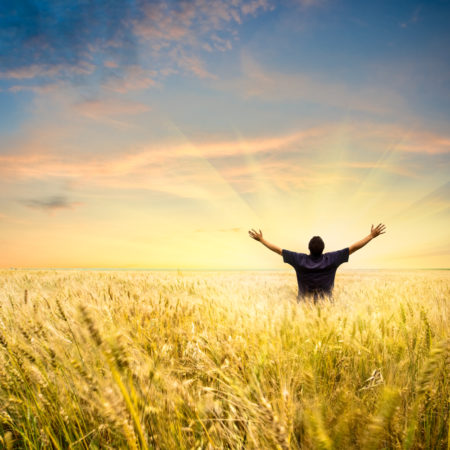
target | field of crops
[{"x": 184, "y": 360}]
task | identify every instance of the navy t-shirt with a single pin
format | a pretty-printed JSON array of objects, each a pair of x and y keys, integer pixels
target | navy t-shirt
[{"x": 315, "y": 275}]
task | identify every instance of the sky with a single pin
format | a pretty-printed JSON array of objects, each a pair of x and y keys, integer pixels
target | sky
[{"x": 155, "y": 134}]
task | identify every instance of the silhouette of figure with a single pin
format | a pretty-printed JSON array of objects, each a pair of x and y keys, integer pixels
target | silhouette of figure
[{"x": 316, "y": 271}]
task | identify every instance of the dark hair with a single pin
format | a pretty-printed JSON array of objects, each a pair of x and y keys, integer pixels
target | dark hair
[{"x": 316, "y": 246}]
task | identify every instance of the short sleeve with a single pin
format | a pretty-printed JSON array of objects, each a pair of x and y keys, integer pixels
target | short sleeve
[
  {"x": 341, "y": 256},
  {"x": 289, "y": 257}
]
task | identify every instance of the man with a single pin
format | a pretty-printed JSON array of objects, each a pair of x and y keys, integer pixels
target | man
[{"x": 316, "y": 271}]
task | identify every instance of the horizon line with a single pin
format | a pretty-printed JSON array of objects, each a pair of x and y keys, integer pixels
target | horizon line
[{"x": 147, "y": 269}]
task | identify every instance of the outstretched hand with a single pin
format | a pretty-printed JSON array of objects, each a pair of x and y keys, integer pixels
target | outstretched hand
[
  {"x": 379, "y": 229},
  {"x": 255, "y": 235}
]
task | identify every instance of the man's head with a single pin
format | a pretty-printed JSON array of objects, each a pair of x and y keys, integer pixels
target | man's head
[{"x": 316, "y": 246}]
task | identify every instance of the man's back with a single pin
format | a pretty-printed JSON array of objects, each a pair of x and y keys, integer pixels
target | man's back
[{"x": 315, "y": 274}]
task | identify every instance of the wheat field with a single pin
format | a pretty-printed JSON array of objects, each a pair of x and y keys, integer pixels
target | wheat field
[{"x": 194, "y": 360}]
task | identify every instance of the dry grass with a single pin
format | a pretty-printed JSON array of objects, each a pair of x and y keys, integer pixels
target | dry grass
[{"x": 222, "y": 360}]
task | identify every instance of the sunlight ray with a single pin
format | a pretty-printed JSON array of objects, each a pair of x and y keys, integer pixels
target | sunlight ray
[
  {"x": 228, "y": 189},
  {"x": 377, "y": 177}
]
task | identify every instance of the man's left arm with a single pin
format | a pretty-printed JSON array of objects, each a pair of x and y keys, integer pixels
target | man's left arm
[{"x": 259, "y": 237}]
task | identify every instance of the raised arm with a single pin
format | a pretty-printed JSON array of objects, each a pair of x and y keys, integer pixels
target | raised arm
[
  {"x": 374, "y": 232},
  {"x": 259, "y": 237}
]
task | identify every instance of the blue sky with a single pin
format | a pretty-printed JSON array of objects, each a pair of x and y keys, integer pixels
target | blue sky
[
  {"x": 222, "y": 115},
  {"x": 399, "y": 46}
]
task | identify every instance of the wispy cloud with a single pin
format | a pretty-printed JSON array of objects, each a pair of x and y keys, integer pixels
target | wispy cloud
[
  {"x": 9, "y": 219},
  {"x": 40, "y": 70},
  {"x": 436, "y": 201},
  {"x": 44, "y": 88},
  {"x": 127, "y": 43},
  {"x": 376, "y": 137},
  {"x": 257, "y": 82},
  {"x": 107, "y": 108},
  {"x": 199, "y": 169},
  {"x": 413, "y": 19},
  {"x": 377, "y": 165},
  {"x": 132, "y": 78},
  {"x": 51, "y": 203},
  {"x": 34, "y": 161}
]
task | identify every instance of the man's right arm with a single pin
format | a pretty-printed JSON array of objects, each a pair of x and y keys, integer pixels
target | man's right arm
[
  {"x": 259, "y": 237},
  {"x": 374, "y": 232}
]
